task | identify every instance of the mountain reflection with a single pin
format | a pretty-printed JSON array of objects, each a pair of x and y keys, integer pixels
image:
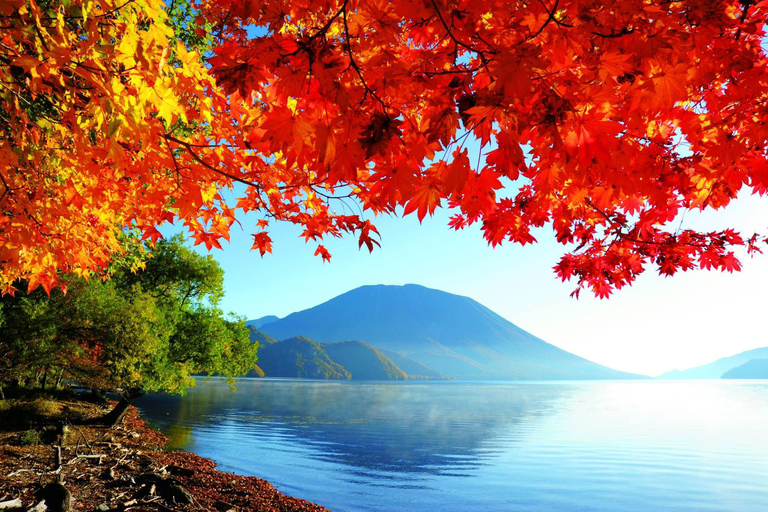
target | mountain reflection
[
  {"x": 390, "y": 429},
  {"x": 623, "y": 446}
]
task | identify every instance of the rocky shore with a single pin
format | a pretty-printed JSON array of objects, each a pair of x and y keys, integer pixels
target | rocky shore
[{"x": 52, "y": 460}]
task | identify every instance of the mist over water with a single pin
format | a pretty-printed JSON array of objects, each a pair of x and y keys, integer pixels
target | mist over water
[{"x": 454, "y": 446}]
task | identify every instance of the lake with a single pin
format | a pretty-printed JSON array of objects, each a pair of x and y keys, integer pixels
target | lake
[{"x": 457, "y": 446}]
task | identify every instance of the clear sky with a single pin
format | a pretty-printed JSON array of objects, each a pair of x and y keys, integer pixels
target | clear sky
[{"x": 656, "y": 325}]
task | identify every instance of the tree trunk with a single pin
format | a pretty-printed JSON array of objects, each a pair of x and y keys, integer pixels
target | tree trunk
[
  {"x": 114, "y": 416},
  {"x": 2, "y": 395}
]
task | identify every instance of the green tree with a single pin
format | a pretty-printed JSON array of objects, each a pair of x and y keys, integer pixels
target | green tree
[
  {"x": 144, "y": 331},
  {"x": 27, "y": 335}
]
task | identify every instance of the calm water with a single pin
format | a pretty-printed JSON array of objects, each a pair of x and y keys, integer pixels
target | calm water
[{"x": 449, "y": 446}]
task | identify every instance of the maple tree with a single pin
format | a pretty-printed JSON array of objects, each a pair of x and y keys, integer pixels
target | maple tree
[{"x": 605, "y": 120}]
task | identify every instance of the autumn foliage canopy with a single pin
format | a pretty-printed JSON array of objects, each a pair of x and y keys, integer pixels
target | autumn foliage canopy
[{"x": 605, "y": 120}]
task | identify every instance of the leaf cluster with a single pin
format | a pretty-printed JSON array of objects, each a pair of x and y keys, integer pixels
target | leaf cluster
[{"x": 604, "y": 121}]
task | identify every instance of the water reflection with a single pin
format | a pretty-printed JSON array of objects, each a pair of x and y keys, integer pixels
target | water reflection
[
  {"x": 624, "y": 446},
  {"x": 389, "y": 428}
]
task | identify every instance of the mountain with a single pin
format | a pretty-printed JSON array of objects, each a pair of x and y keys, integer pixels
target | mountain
[
  {"x": 716, "y": 369},
  {"x": 447, "y": 333},
  {"x": 259, "y": 322},
  {"x": 412, "y": 367},
  {"x": 752, "y": 369},
  {"x": 299, "y": 357},
  {"x": 363, "y": 361},
  {"x": 257, "y": 335}
]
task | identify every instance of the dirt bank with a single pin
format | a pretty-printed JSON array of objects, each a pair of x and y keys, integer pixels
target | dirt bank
[{"x": 121, "y": 468}]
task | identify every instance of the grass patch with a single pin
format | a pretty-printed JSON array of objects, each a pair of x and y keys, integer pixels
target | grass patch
[
  {"x": 44, "y": 407},
  {"x": 30, "y": 437}
]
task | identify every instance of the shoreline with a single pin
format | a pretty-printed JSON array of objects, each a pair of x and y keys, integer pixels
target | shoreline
[{"x": 121, "y": 468}]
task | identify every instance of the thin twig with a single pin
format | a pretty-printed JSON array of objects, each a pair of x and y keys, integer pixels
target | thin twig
[{"x": 356, "y": 67}]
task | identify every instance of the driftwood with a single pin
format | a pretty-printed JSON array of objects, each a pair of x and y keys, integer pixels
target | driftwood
[
  {"x": 83, "y": 438},
  {"x": 169, "y": 490},
  {"x": 173, "y": 492},
  {"x": 10, "y": 504},
  {"x": 57, "y": 498},
  {"x": 64, "y": 431},
  {"x": 110, "y": 473},
  {"x": 40, "y": 507},
  {"x": 117, "y": 470},
  {"x": 98, "y": 457},
  {"x": 57, "y": 457},
  {"x": 20, "y": 471},
  {"x": 162, "y": 507},
  {"x": 223, "y": 506},
  {"x": 178, "y": 470}
]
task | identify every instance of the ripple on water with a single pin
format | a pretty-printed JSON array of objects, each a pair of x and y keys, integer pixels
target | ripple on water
[{"x": 554, "y": 447}]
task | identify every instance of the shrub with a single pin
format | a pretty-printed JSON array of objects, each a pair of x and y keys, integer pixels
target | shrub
[{"x": 30, "y": 437}]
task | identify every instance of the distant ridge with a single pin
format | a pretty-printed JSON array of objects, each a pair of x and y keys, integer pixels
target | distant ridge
[
  {"x": 259, "y": 322},
  {"x": 257, "y": 335},
  {"x": 411, "y": 366},
  {"x": 752, "y": 369},
  {"x": 301, "y": 357},
  {"x": 716, "y": 369},
  {"x": 363, "y": 361},
  {"x": 448, "y": 334}
]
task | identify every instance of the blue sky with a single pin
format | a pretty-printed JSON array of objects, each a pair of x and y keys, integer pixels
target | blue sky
[{"x": 656, "y": 325}]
